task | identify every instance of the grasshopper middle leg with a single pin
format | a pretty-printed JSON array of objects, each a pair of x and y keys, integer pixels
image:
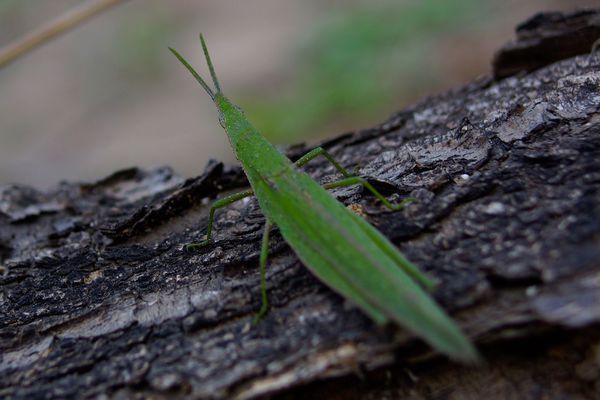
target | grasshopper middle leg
[
  {"x": 349, "y": 180},
  {"x": 319, "y": 151},
  {"x": 356, "y": 180},
  {"x": 264, "y": 252}
]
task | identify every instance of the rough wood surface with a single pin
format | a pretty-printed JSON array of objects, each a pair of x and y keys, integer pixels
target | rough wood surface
[
  {"x": 548, "y": 37},
  {"x": 97, "y": 298}
]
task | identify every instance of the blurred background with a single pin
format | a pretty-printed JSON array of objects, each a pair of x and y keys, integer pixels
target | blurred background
[{"x": 109, "y": 95}]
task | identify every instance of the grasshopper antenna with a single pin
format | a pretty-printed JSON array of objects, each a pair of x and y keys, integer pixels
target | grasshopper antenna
[
  {"x": 195, "y": 74},
  {"x": 210, "y": 65}
]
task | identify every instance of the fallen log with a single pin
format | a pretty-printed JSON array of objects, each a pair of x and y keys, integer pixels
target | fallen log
[{"x": 97, "y": 298}]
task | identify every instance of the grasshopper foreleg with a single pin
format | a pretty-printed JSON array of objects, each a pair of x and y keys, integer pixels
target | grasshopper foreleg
[{"x": 225, "y": 201}]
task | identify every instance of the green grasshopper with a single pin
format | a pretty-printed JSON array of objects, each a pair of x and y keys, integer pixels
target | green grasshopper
[{"x": 339, "y": 247}]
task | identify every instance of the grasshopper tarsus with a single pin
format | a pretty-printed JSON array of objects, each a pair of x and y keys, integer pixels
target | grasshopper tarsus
[
  {"x": 403, "y": 203},
  {"x": 196, "y": 246},
  {"x": 264, "y": 309}
]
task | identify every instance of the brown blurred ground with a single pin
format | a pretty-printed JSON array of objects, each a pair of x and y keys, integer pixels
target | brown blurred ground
[{"x": 95, "y": 100}]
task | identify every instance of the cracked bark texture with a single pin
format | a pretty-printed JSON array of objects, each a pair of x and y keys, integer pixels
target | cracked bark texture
[{"x": 97, "y": 298}]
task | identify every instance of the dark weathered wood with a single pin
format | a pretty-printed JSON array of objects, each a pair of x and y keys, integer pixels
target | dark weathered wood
[
  {"x": 98, "y": 297},
  {"x": 548, "y": 37}
]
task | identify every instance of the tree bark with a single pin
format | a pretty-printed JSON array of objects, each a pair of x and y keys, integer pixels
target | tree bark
[{"x": 98, "y": 299}]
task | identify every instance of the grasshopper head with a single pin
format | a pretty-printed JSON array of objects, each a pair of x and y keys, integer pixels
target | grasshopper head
[{"x": 229, "y": 114}]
